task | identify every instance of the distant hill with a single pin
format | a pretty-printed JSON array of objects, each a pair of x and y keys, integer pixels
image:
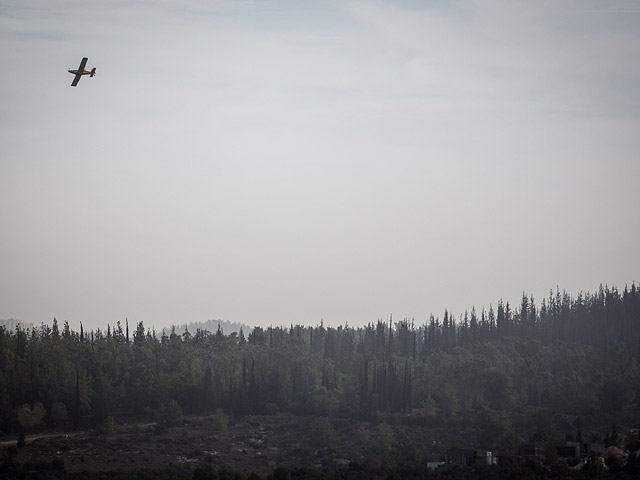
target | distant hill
[
  {"x": 12, "y": 323},
  {"x": 212, "y": 326}
]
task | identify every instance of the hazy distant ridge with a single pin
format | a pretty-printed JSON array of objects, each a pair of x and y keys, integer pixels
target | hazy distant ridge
[
  {"x": 212, "y": 326},
  {"x": 12, "y": 323}
]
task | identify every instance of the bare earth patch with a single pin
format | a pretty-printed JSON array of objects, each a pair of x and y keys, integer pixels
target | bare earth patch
[{"x": 251, "y": 443}]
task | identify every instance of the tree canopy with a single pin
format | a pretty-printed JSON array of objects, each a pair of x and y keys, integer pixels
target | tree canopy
[{"x": 571, "y": 356}]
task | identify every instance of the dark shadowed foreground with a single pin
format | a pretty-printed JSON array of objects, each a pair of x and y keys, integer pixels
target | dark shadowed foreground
[{"x": 285, "y": 446}]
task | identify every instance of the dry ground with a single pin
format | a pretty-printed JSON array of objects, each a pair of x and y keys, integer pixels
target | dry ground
[{"x": 251, "y": 443}]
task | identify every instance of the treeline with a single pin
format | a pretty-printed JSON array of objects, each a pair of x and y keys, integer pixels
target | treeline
[{"x": 572, "y": 356}]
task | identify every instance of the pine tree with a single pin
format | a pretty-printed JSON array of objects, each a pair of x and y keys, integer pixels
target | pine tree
[
  {"x": 55, "y": 333},
  {"x": 173, "y": 415},
  {"x": 139, "y": 335},
  {"x": 76, "y": 404}
]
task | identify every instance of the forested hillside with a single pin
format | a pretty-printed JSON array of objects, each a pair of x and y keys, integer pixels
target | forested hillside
[{"x": 521, "y": 367}]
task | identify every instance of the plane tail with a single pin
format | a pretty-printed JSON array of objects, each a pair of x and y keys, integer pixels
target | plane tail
[{"x": 93, "y": 72}]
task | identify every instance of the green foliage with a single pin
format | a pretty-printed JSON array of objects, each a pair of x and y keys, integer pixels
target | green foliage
[
  {"x": 550, "y": 455},
  {"x": 383, "y": 439},
  {"x": 568, "y": 357},
  {"x": 323, "y": 433},
  {"x": 497, "y": 388},
  {"x": 58, "y": 414},
  {"x": 362, "y": 436},
  {"x": 427, "y": 409},
  {"x": 205, "y": 472},
  {"x": 509, "y": 444},
  {"x": 108, "y": 427},
  {"x": 173, "y": 415},
  {"x": 220, "y": 421},
  {"x": 29, "y": 417},
  {"x": 492, "y": 425},
  {"x": 405, "y": 451},
  {"x": 546, "y": 435},
  {"x": 615, "y": 395}
]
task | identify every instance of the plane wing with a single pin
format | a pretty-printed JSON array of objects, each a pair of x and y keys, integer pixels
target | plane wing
[
  {"x": 83, "y": 63},
  {"x": 76, "y": 79}
]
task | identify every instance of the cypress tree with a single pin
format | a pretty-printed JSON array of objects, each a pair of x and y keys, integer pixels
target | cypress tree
[{"x": 76, "y": 403}]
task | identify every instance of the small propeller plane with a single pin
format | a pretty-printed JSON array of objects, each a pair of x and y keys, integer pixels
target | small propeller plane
[{"x": 81, "y": 71}]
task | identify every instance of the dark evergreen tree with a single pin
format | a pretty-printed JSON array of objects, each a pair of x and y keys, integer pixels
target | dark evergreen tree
[{"x": 76, "y": 403}]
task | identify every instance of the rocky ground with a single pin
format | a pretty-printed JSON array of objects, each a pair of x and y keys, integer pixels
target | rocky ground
[{"x": 252, "y": 443}]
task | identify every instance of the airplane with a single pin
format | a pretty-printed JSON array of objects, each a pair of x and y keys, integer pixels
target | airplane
[{"x": 81, "y": 71}]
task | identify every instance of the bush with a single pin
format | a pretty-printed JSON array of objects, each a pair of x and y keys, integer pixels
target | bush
[
  {"x": 108, "y": 428},
  {"x": 29, "y": 417},
  {"x": 383, "y": 440},
  {"x": 362, "y": 436},
  {"x": 173, "y": 415},
  {"x": 220, "y": 420},
  {"x": 205, "y": 472},
  {"x": 323, "y": 433},
  {"x": 272, "y": 408},
  {"x": 58, "y": 414}
]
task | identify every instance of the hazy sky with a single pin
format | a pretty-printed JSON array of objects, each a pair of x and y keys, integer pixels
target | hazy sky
[{"x": 270, "y": 162}]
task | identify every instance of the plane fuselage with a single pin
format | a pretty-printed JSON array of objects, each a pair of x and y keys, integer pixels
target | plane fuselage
[{"x": 84, "y": 72}]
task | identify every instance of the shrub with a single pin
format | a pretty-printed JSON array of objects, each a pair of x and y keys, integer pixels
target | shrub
[
  {"x": 29, "y": 417},
  {"x": 173, "y": 415},
  {"x": 272, "y": 408},
  {"x": 220, "y": 420},
  {"x": 58, "y": 413},
  {"x": 323, "y": 433},
  {"x": 108, "y": 427}
]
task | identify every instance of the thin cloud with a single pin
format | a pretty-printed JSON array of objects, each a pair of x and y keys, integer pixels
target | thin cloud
[{"x": 268, "y": 162}]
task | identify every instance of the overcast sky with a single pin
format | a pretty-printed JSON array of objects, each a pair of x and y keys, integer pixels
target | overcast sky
[{"x": 270, "y": 162}]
